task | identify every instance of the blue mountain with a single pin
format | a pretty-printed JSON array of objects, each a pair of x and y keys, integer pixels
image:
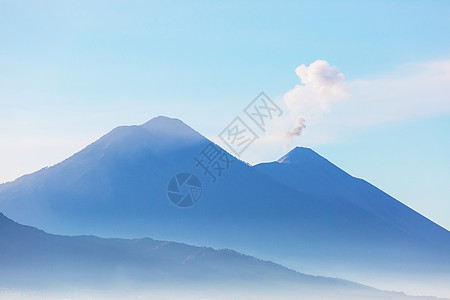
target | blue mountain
[
  {"x": 36, "y": 264},
  {"x": 301, "y": 211}
]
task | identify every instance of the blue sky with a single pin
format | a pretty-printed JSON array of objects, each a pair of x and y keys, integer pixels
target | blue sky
[{"x": 71, "y": 71}]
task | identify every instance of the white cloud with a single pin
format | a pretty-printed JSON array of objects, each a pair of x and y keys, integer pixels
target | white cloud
[
  {"x": 334, "y": 107},
  {"x": 321, "y": 84}
]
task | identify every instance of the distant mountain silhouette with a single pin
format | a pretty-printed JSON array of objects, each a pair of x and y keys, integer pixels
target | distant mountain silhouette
[
  {"x": 33, "y": 260},
  {"x": 302, "y": 211}
]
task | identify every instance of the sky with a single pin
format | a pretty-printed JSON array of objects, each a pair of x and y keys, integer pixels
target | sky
[{"x": 369, "y": 79}]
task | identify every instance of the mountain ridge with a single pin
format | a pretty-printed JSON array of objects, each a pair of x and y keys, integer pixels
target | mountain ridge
[
  {"x": 88, "y": 262},
  {"x": 117, "y": 186}
]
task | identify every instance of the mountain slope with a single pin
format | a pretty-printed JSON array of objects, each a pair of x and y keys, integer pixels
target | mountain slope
[
  {"x": 33, "y": 260},
  {"x": 33, "y": 252},
  {"x": 310, "y": 173},
  {"x": 117, "y": 186}
]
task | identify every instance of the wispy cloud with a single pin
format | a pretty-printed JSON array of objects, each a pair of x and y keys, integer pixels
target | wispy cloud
[
  {"x": 320, "y": 85},
  {"x": 413, "y": 91},
  {"x": 333, "y": 107}
]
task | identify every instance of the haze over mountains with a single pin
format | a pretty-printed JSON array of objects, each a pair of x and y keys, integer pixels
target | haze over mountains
[
  {"x": 41, "y": 264},
  {"x": 301, "y": 211}
]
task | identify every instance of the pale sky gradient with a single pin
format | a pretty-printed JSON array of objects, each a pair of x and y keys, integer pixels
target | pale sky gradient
[{"x": 72, "y": 71}]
